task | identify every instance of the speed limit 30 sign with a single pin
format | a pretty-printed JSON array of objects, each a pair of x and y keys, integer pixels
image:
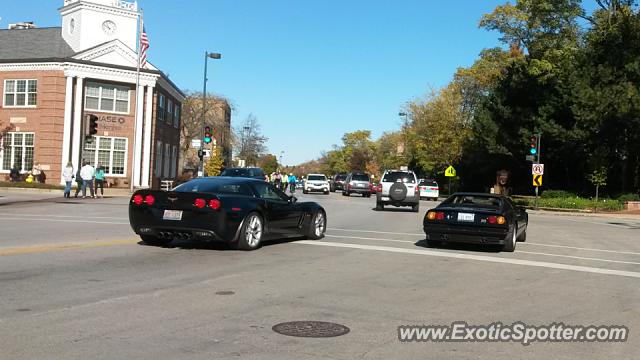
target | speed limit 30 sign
[{"x": 537, "y": 169}]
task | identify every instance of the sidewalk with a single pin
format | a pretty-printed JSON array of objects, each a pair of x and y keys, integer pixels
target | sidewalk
[
  {"x": 632, "y": 215},
  {"x": 107, "y": 191}
]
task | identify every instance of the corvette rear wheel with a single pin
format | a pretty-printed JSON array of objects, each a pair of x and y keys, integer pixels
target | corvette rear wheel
[
  {"x": 153, "y": 240},
  {"x": 317, "y": 226},
  {"x": 251, "y": 233},
  {"x": 510, "y": 241}
]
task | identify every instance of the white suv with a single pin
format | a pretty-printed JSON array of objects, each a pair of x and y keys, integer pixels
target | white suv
[
  {"x": 316, "y": 182},
  {"x": 398, "y": 188}
]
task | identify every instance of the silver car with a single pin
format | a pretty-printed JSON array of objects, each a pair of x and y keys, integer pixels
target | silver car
[{"x": 398, "y": 188}]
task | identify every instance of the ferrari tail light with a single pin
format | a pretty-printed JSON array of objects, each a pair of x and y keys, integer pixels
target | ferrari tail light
[
  {"x": 149, "y": 200},
  {"x": 138, "y": 199},
  {"x": 492, "y": 220},
  {"x": 214, "y": 204},
  {"x": 501, "y": 220},
  {"x": 435, "y": 215},
  {"x": 199, "y": 203}
]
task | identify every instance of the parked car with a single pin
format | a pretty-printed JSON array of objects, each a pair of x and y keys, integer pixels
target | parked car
[
  {"x": 337, "y": 182},
  {"x": 375, "y": 188},
  {"x": 249, "y": 172},
  {"x": 429, "y": 189},
  {"x": 316, "y": 182},
  {"x": 357, "y": 183},
  {"x": 477, "y": 218},
  {"x": 239, "y": 211},
  {"x": 399, "y": 188}
]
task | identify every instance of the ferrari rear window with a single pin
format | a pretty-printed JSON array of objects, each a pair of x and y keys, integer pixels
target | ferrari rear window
[{"x": 475, "y": 200}]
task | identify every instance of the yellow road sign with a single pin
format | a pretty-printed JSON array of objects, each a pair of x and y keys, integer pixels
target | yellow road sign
[
  {"x": 450, "y": 172},
  {"x": 537, "y": 180}
]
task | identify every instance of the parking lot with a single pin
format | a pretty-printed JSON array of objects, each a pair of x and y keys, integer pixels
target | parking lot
[{"x": 77, "y": 283}]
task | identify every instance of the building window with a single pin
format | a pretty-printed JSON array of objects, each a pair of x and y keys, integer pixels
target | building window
[
  {"x": 167, "y": 160},
  {"x": 169, "y": 112},
  {"x": 174, "y": 161},
  {"x": 16, "y": 148},
  {"x": 108, "y": 152},
  {"x": 107, "y": 98},
  {"x": 20, "y": 93},
  {"x": 161, "y": 107},
  {"x": 158, "y": 169},
  {"x": 176, "y": 116}
]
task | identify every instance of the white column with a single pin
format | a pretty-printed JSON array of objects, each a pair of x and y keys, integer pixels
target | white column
[
  {"x": 146, "y": 148},
  {"x": 77, "y": 124},
  {"x": 66, "y": 134},
  {"x": 137, "y": 151}
]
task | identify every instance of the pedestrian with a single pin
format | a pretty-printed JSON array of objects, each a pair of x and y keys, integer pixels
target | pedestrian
[
  {"x": 87, "y": 174},
  {"x": 67, "y": 176},
  {"x": 14, "y": 174},
  {"x": 292, "y": 183},
  {"x": 285, "y": 182},
  {"x": 36, "y": 171},
  {"x": 100, "y": 180},
  {"x": 278, "y": 180},
  {"x": 78, "y": 182}
]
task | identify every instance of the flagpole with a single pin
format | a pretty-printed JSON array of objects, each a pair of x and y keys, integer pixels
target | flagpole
[{"x": 135, "y": 125}]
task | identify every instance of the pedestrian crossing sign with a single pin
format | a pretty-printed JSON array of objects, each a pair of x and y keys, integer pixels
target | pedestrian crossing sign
[{"x": 450, "y": 172}]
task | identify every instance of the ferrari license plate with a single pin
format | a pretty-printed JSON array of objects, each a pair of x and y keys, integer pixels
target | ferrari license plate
[
  {"x": 172, "y": 215},
  {"x": 466, "y": 217}
]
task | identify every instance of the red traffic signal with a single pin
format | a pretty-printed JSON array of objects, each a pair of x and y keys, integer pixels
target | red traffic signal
[{"x": 207, "y": 135}]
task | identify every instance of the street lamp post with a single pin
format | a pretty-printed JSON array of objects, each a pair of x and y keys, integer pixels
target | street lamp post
[
  {"x": 207, "y": 56},
  {"x": 245, "y": 133}
]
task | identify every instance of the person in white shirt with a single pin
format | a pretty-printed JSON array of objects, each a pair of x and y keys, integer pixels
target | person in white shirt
[
  {"x": 87, "y": 172},
  {"x": 67, "y": 175}
]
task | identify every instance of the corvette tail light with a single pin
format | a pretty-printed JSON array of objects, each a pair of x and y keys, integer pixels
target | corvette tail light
[
  {"x": 199, "y": 203},
  {"x": 138, "y": 199},
  {"x": 149, "y": 200},
  {"x": 214, "y": 204}
]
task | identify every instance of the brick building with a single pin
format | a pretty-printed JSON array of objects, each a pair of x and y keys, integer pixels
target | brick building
[{"x": 51, "y": 79}]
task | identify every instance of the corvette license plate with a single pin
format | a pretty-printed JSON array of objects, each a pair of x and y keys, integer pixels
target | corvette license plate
[
  {"x": 466, "y": 217},
  {"x": 172, "y": 215}
]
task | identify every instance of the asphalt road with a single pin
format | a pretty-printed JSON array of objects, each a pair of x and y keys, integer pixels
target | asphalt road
[{"x": 76, "y": 284}]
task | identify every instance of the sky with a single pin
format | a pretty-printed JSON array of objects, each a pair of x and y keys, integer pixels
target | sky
[{"x": 308, "y": 70}]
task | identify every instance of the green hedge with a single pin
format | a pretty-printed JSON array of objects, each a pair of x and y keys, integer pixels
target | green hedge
[
  {"x": 573, "y": 202},
  {"x": 550, "y": 194},
  {"x": 629, "y": 197},
  {"x": 32, "y": 185}
]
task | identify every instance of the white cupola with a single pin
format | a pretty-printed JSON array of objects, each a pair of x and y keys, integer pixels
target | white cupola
[{"x": 88, "y": 23}]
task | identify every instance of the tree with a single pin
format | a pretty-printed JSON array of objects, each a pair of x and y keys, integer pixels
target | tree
[
  {"x": 598, "y": 178},
  {"x": 268, "y": 163},
  {"x": 215, "y": 163},
  {"x": 192, "y": 126},
  {"x": 249, "y": 140}
]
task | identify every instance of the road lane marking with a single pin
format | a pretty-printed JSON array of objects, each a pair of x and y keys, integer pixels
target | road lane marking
[
  {"x": 65, "y": 216},
  {"x": 62, "y": 246},
  {"x": 368, "y": 238},
  {"x": 66, "y": 221},
  {"x": 493, "y": 259},
  {"x": 523, "y": 243},
  {"x": 519, "y": 251}
]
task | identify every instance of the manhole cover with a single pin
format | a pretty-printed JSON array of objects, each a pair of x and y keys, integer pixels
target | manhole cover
[{"x": 315, "y": 329}]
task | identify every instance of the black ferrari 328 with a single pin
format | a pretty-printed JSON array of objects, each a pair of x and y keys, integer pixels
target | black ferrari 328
[
  {"x": 477, "y": 218},
  {"x": 239, "y": 211}
]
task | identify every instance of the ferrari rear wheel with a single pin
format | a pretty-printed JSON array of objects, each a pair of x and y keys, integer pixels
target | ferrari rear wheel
[
  {"x": 251, "y": 233},
  {"x": 153, "y": 240},
  {"x": 317, "y": 226},
  {"x": 510, "y": 241},
  {"x": 523, "y": 236}
]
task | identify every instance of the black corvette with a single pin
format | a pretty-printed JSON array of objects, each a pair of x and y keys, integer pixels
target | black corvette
[
  {"x": 240, "y": 211},
  {"x": 477, "y": 218}
]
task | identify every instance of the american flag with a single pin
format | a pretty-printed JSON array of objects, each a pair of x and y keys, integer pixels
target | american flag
[{"x": 144, "y": 46}]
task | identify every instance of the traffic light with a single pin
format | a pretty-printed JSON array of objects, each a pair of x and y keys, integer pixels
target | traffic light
[
  {"x": 533, "y": 146},
  {"x": 207, "y": 135},
  {"x": 92, "y": 127}
]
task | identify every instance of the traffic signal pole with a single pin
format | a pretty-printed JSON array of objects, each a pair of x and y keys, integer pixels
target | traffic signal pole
[{"x": 538, "y": 136}]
